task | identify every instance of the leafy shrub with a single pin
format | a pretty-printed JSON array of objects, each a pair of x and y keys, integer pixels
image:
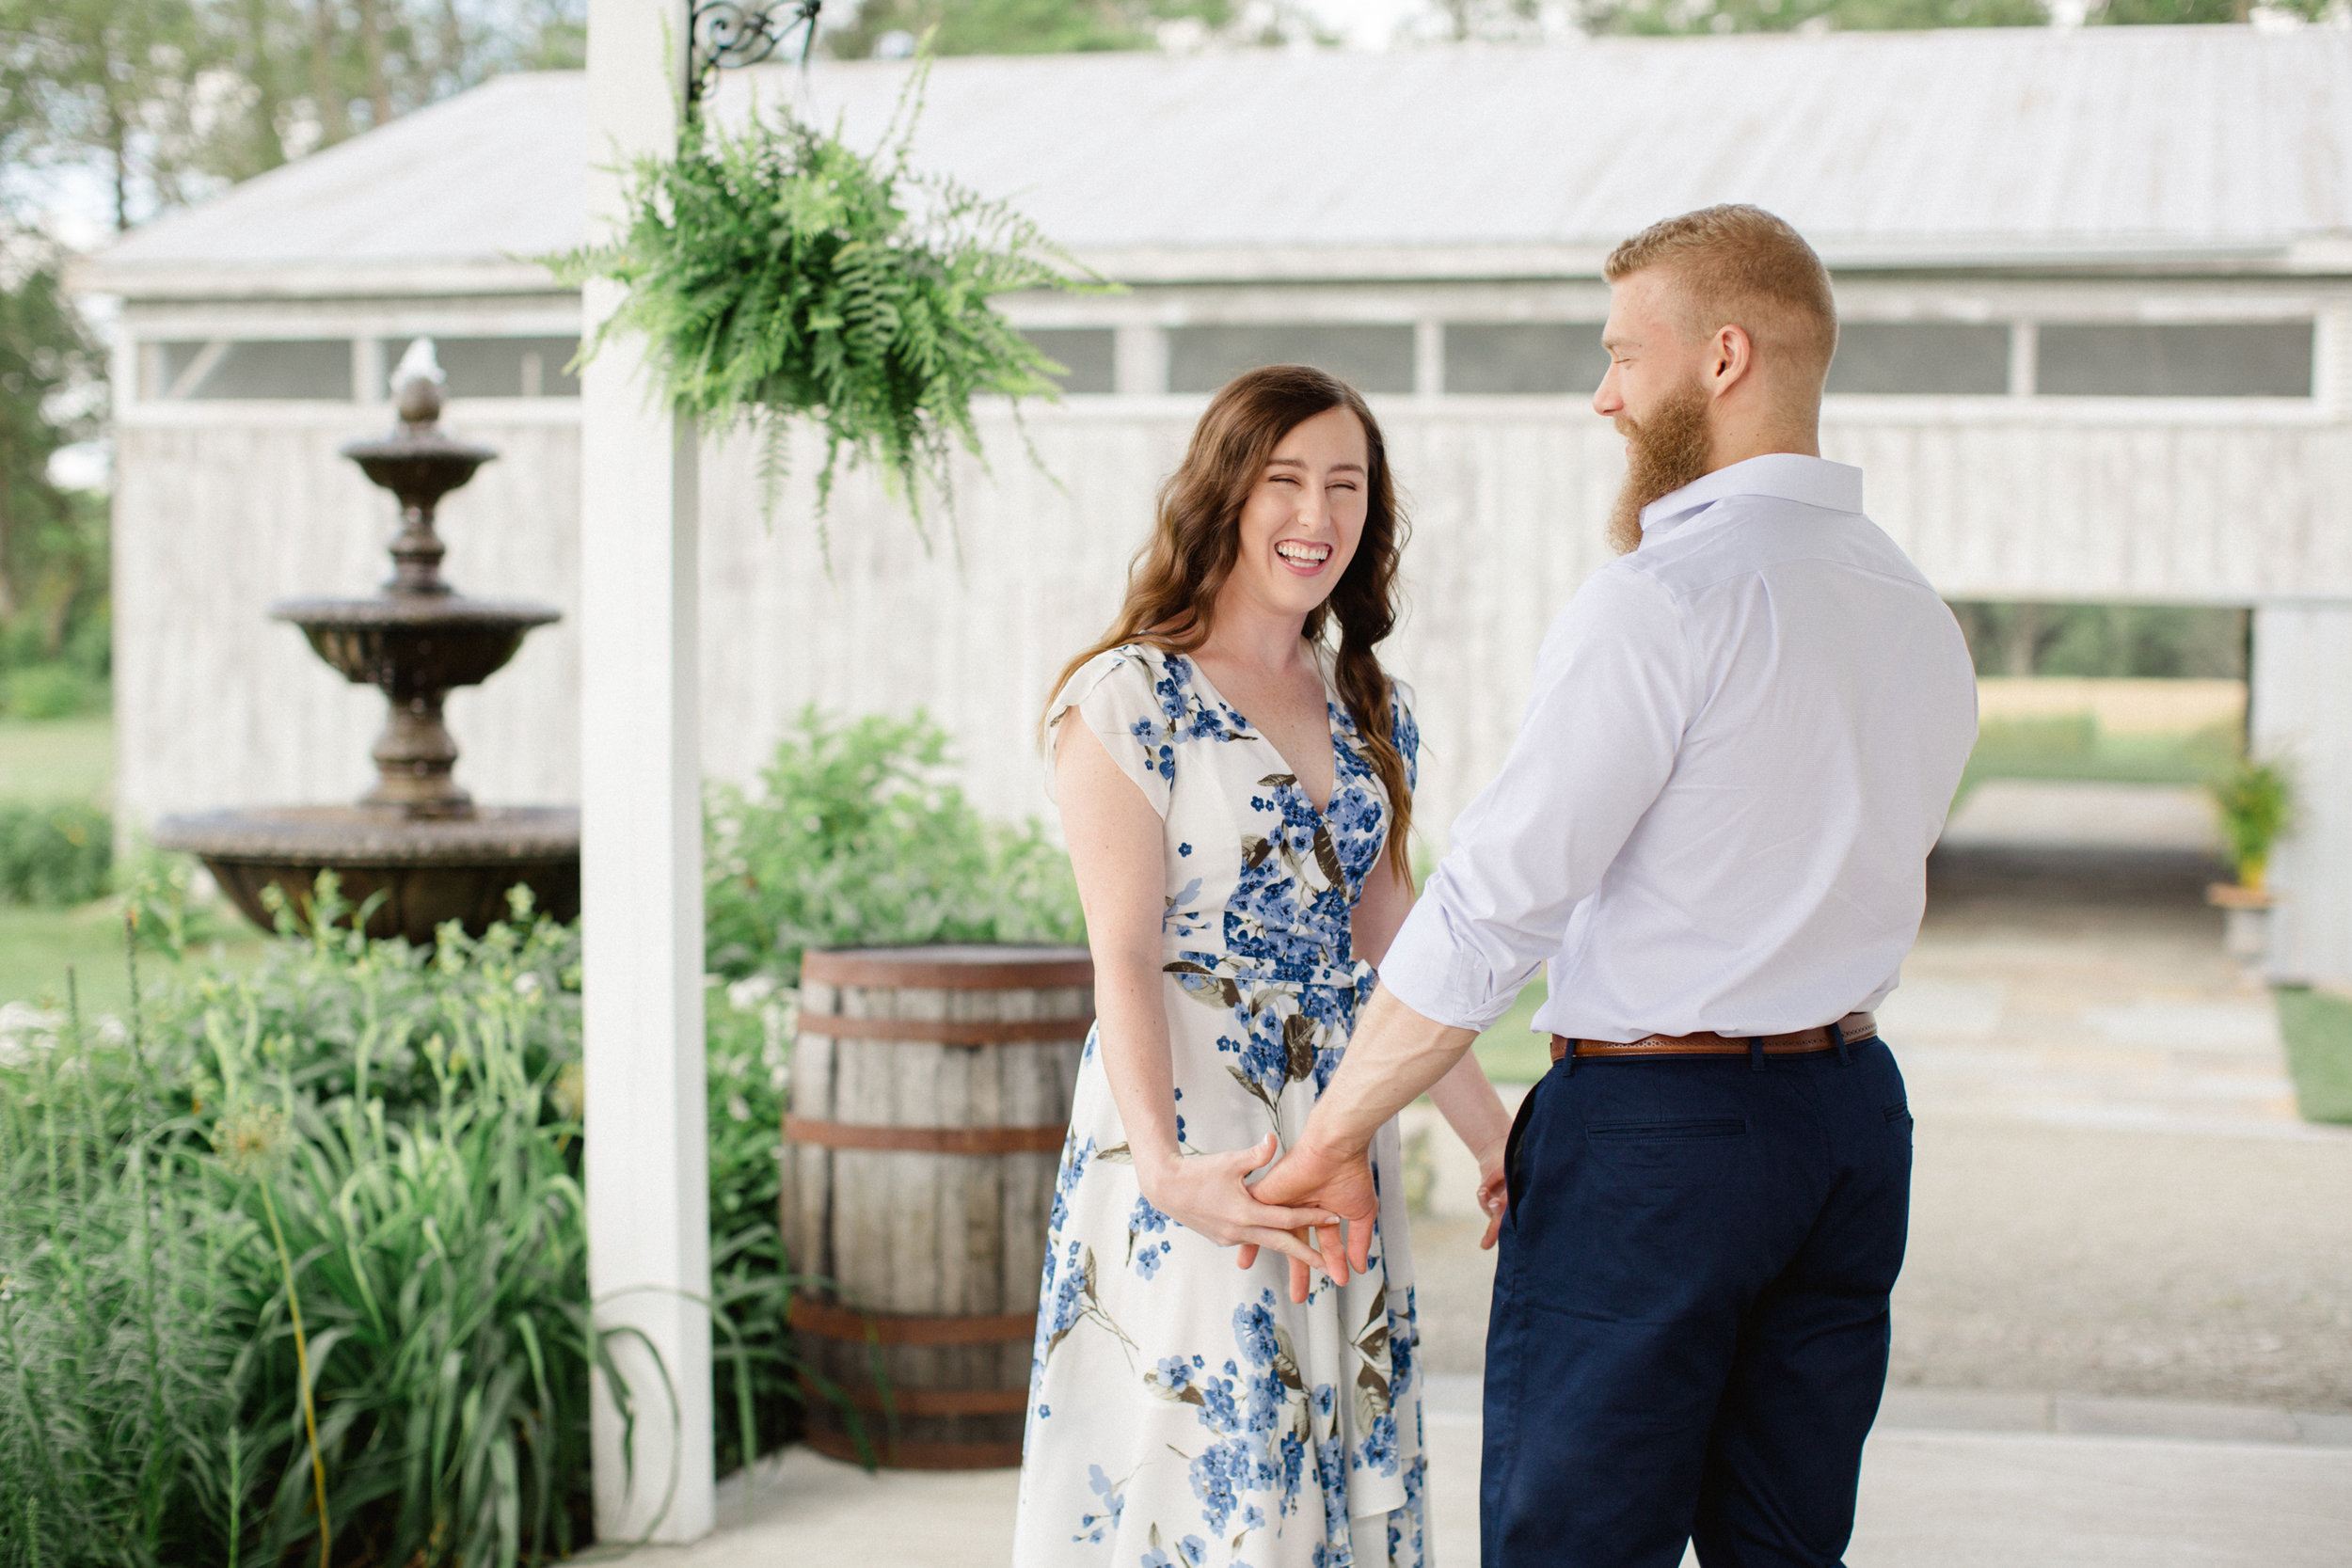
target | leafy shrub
[
  {"x": 56, "y": 854},
  {"x": 361, "y": 1139},
  {"x": 856, "y": 835},
  {"x": 54, "y": 690}
]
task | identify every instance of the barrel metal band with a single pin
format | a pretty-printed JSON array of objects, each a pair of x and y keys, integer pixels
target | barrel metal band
[
  {"x": 931, "y": 1031},
  {"x": 880, "y": 967},
  {"x": 828, "y": 1321},
  {"x": 927, "y": 1140},
  {"x": 936, "y": 1402}
]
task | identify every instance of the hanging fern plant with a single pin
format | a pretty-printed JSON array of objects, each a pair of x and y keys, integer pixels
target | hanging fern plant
[{"x": 778, "y": 273}]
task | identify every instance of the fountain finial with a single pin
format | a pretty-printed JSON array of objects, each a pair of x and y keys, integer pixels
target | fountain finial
[{"x": 417, "y": 383}]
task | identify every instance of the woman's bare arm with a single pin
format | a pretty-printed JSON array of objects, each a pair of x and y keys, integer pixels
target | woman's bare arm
[{"x": 1118, "y": 854}]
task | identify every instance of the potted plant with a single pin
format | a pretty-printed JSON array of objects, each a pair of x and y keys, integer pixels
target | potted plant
[
  {"x": 2254, "y": 801},
  {"x": 778, "y": 273}
]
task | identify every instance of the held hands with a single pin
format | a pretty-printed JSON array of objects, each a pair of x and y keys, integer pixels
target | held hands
[
  {"x": 1339, "y": 1185},
  {"x": 1208, "y": 1194},
  {"x": 1344, "y": 1187}
]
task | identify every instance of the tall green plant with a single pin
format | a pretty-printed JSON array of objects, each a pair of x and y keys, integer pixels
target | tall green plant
[
  {"x": 120, "y": 1323},
  {"x": 778, "y": 273},
  {"x": 2255, "y": 803},
  {"x": 443, "y": 1266}
]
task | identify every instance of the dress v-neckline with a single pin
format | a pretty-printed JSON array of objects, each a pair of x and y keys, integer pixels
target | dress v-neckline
[{"x": 1330, "y": 726}]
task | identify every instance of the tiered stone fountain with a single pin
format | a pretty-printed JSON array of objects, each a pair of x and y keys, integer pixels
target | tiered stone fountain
[{"x": 416, "y": 837}]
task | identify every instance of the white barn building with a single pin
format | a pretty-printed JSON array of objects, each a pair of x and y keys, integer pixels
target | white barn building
[{"x": 2097, "y": 288}]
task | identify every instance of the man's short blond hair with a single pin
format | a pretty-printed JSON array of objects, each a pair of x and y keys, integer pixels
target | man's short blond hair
[{"x": 1741, "y": 266}]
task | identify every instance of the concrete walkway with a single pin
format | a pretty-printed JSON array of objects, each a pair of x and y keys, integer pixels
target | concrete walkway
[{"x": 1948, "y": 1481}]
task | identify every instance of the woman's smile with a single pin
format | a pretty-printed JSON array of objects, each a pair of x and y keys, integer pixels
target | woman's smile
[{"x": 1305, "y": 556}]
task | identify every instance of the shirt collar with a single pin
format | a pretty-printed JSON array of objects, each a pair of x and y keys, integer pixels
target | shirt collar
[{"x": 1784, "y": 475}]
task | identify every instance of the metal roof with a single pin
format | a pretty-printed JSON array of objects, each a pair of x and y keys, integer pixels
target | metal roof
[{"x": 2029, "y": 147}]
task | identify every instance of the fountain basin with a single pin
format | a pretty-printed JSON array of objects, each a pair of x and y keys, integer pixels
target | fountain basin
[
  {"x": 418, "y": 462},
  {"x": 429, "y": 869},
  {"x": 410, "y": 644}
]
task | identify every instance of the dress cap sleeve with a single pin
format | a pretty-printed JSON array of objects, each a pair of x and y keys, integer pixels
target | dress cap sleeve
[{"x": 1115, "y": 695}]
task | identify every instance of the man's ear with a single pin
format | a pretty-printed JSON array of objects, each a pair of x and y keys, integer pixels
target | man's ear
[{"x": 1730, "y": 357}]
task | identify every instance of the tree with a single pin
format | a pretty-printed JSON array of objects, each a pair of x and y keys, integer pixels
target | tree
[
  {"x": 109, "y": 81},
  {"x": 172, "y": 96},
  {"x": 52, "y": 542}
]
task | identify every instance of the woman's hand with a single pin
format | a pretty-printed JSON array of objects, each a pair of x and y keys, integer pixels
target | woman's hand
[
  {"x": 1208, "y": 1194},
  {"x": 1344, "y": 1185},
  {"x": 1494, "y": 1196},
  {"x": 1471, "y": 1108}
]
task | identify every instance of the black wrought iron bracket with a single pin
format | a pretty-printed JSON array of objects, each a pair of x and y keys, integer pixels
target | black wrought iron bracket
[{"x": 726, "y": 35}]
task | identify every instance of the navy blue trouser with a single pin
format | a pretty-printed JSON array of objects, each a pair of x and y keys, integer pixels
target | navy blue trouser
[{"x": 1690, "y": 1327}]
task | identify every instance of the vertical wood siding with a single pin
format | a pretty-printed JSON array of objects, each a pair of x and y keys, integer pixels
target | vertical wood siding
[{"x": 217, "y": 706}]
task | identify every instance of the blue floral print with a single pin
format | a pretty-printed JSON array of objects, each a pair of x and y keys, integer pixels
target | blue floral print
[{"x": 1184, "y": 1411}]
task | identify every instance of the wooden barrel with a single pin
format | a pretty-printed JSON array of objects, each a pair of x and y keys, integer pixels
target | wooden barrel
[{"x": 930, "y": 1092}]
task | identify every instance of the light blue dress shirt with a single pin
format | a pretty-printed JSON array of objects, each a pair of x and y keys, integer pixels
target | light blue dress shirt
[{"x": 1742, "y": 744}]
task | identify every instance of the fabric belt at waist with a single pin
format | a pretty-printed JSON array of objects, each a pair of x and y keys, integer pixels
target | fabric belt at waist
[{"x": 1853, "y": 1027}]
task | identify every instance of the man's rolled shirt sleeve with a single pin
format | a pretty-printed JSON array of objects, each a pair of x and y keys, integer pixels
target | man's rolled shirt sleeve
[{"x": 1613, "y": 695}]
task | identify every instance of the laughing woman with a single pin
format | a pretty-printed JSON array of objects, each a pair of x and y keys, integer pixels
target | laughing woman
[{"x": 1235, "y": 771}]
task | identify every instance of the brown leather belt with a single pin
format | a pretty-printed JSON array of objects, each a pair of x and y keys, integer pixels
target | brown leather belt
[{"x": 1799, "y": 1042}]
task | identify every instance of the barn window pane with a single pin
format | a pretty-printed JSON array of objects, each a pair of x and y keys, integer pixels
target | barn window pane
[
  {"x": 1088, "y": 355},
  {"x": 500, "y": 367},
  {"x": 2232, "y": 360},
  {"x": 310, "y": 369},
  {"x": 1527, "y": 358},
  {"x": 1921, "y": 358},
  {"x": 1372, "y": 359}
]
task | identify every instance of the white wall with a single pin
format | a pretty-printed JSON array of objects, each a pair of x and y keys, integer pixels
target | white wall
[
  {"x": 215, "y": 518},
  {"x": 2301, "y": 710},
  {"x": 222, "y": 509}
]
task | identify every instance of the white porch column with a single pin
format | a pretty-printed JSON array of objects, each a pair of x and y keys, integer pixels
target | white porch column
[
  {"x": 640, "y": 863},
  {"x": 2300, "y": 690}
]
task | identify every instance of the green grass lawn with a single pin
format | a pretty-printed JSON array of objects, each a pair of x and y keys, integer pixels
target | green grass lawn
[
  {"x": 60, "y": 759},
  {"x": 57, "y": 759},
  {"x": 2079, "y": 749},
  {"x": 38, "y": 946},
  {"x": 66, "y": 759},
  {"x": 1510, "y": 1051},
  {"x": 2318, "y": 1030}
]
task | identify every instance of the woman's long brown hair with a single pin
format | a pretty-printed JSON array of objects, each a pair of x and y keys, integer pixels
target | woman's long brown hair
[{"x": 1172, "y": 583}]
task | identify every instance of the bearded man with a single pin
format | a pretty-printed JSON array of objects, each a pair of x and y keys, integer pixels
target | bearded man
[{"x": 1714, "y": 827}]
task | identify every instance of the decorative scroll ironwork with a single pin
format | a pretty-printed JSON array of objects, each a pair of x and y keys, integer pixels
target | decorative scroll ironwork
[{"x": 729, "y": 33}]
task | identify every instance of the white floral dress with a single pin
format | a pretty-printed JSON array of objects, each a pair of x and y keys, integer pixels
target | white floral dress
[{"x": 1183, "y": 1411}]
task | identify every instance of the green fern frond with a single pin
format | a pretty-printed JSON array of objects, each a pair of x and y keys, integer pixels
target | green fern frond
[{"x": 779, "y": 276}]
